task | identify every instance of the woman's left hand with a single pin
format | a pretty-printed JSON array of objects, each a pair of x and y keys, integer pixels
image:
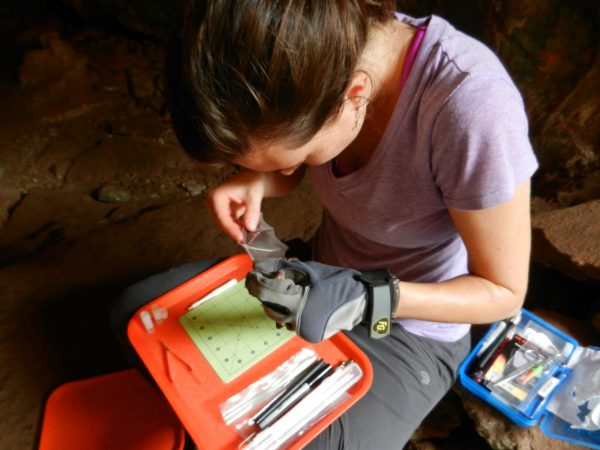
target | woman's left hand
[{"x": 314, "y": 299}]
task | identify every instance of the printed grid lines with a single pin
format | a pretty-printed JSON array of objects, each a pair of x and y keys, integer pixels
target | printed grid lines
[{"x": 233, "y": 332}]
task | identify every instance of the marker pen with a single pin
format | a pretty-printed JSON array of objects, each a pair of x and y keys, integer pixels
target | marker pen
[
  {"x": 294, "y": 384},
  {"x": 295, "y": 396},
  {"x": 482, "y": 363}
]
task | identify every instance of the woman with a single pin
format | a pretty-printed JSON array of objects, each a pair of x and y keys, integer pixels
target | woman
[{"x": 415, "y": 139}]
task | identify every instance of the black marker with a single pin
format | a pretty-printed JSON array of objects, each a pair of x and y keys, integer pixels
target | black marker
[
  {"x": 493, "y": 349},
  {"x": 293, "y": 398},
  {"x": 300, "y": 379},
  {"x": 493, "y": 337}
]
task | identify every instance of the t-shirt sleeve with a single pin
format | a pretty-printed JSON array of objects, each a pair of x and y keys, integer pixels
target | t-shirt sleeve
[{"x": 480, "y": 145}]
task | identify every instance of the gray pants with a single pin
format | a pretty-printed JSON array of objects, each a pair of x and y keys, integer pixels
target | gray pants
[{"x": 410, "y": 374}]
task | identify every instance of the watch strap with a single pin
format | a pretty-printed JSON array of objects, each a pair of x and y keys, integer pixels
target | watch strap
[{"x": 381, "y": 293}]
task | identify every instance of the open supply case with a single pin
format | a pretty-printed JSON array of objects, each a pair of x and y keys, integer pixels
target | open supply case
[
  {"x": 526, "y": 369},
  {"x": 185, "y": 358}
]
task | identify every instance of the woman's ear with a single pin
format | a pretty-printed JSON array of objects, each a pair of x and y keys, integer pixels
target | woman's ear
[{"x": 360, "y": 88}]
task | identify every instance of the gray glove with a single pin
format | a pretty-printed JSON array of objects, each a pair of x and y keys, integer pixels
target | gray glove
[{"x": 318, "y": 300}]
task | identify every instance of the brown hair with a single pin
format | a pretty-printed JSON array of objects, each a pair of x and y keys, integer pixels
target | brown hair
[{"x": 266, "y": 69}]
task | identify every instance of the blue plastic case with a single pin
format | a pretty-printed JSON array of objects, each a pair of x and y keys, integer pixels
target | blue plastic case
[{"x": 530, "y": 410}]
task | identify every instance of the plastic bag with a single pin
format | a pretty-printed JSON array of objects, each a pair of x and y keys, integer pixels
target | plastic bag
[
  {"x": 323, "y": 399},
  {"x": 239, "y": 409},
  {"x": 578, "y": 399}
]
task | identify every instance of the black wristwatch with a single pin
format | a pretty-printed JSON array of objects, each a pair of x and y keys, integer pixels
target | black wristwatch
[{"x": 383, "y": 296}]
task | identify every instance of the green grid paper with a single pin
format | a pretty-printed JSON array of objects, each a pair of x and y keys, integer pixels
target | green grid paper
[{"x": 233, "y": 332}]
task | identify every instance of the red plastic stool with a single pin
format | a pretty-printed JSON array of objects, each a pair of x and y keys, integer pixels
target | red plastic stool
[{"x": 118, "y": 411}]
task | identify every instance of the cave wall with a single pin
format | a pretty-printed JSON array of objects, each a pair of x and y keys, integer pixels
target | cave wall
[{"x": 551, "y": 48}]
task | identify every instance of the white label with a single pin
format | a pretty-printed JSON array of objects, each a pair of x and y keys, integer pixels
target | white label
[{"x": 548, "y": 387}]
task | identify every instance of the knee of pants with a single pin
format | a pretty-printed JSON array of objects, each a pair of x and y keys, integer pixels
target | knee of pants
[{"x": 132, "y": 298}]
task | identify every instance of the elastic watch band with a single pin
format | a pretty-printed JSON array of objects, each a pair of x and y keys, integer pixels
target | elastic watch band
[{"x": 383, "y": 294}]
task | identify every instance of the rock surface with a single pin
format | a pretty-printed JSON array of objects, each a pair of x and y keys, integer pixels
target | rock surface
[
  {"x": 568, "y": 239},
  {"x": 503, "y": 435},
  {"x": 95, "y": 196},
  {"x": 551, "y": 48}
]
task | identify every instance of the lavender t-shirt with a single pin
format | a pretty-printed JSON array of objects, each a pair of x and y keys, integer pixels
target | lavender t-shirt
[{"x": 458, "y": 138}]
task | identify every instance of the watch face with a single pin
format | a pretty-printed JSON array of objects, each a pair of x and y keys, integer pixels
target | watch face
[{"x": 382, "y": 326}]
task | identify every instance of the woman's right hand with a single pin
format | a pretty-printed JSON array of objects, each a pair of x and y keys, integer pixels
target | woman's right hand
[{"x": 235, "y": 204}]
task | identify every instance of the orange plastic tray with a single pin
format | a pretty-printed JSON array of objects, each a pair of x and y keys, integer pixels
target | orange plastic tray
[
  {"x": 118, "y": 411},
  {"x": 194, "y": 389}
]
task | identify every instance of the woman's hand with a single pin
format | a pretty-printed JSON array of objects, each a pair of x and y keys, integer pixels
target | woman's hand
[
  {"x": 318, "y": 300},
  {"x": 235, "y": 204}
]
